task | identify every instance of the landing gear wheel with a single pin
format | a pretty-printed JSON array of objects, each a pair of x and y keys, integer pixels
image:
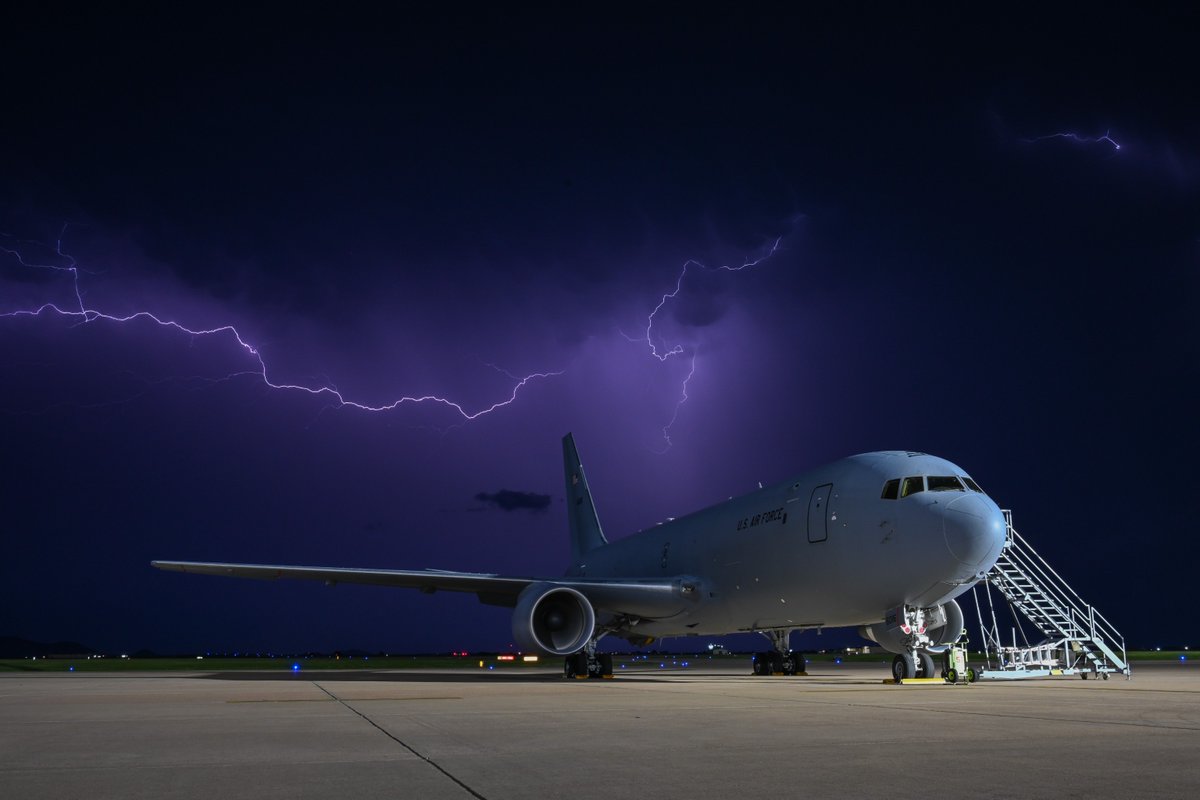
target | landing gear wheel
[
  {"x": 604, "y": 669},
  {"x": 903, "y": 667},
  {"x": 924, "y": 663},
  {"x": 793, "y": 664},
  {"x": 575, "y": 665},
  {"x": 762, "y": 664}
]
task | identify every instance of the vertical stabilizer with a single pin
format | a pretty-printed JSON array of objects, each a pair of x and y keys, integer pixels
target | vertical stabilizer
[{"x": 586, "y": 534}]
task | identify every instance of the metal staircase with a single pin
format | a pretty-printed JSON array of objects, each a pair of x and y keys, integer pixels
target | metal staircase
[{"x": 1077, "y": 638}]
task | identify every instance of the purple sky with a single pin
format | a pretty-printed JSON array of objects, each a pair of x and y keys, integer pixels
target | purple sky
[{"x": 422, "y": 208}]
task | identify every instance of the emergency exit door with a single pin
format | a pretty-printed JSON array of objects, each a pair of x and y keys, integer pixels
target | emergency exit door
[{"x": 818, "y": 513}]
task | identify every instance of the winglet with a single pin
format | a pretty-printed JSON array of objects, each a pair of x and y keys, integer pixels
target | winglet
[{"x": 586, "y": 534}]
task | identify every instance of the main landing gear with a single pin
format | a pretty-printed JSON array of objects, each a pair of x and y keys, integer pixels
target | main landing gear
[
  {"x": 587, "y": 663},
  {"x": 781, "y": 660}
]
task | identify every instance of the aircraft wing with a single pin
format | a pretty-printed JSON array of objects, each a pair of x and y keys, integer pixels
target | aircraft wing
[{"x": 653, "y": 599}]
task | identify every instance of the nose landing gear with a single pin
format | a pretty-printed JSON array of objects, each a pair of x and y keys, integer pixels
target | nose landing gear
[{"x": 913, "y": 664}]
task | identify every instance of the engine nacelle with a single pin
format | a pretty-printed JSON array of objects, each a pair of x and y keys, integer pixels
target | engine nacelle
[
  {"x": 938, "y": 626},
  {"x": 553, "y": 619},
  {"x": 887, "y": 636},
  {"x": 947, "y": 623}
]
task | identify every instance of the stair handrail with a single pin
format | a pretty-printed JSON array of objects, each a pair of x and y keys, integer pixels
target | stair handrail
[{"x": 1024, "y": 558}]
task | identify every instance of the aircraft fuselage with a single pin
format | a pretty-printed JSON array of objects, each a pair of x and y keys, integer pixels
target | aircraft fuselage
[{"x": 824, "y": 549}]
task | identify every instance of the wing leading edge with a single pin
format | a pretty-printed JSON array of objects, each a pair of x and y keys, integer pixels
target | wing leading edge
[{"x": 651, "y": 599}]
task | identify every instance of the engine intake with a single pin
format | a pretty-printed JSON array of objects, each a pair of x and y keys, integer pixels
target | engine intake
[{"x": 553, "y": 619}]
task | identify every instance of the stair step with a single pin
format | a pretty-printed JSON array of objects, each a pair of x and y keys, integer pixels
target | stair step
[{"x": 1053, "y": 607}]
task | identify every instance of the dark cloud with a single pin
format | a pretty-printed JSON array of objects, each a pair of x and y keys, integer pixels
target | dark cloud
[
  {"x": 508, "y": 500},
  {"x": 391, "y": 216}
]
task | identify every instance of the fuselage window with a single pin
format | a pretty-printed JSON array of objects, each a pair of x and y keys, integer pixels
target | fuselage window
[
  {"x": 944, "y": 483},
  {"x": 891, "y": 489},
  {"x": 972, "y": 485},
  {"x": 913, "y": 485}
]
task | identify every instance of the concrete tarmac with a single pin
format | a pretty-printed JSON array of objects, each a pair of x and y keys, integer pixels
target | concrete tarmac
[{"x": 694, "y": 733}]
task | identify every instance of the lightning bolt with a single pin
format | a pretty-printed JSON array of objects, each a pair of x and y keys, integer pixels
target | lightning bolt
[
  {"x": 85, "y": 315},
  {"x": 668, "y": 352},
  {"x": 1078, "y": 139}
]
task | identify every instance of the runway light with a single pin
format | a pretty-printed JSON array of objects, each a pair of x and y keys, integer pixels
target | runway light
[
  {"x": 72, "y": 669},
  {"x": 1183, "y": 658},
  {"x": 837, "y": 661},
  {"x": 295, "y": 667}
]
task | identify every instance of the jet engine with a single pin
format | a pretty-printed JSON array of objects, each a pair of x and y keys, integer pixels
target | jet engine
[
  {"x": 552, "y": 619},
  {"x": 945, "y": 623},
  {"x": 939, "y": 626}
]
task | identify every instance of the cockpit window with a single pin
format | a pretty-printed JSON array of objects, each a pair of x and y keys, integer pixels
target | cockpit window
[
  {"x": 891, "y": 489},
  {"x": 944, "y": 483},
  {"x": 912, "y": 485},
  {"x": 972, "y": 485}
]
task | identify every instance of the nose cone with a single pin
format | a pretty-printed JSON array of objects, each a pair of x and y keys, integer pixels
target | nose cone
[{"x": 974, "y": 529}]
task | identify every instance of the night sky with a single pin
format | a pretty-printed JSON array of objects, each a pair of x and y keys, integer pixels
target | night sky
[{"x": 974, "y": 237}]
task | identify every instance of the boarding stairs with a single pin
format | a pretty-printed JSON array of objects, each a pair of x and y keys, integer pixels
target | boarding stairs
[{"x": 1077, "y": 638}]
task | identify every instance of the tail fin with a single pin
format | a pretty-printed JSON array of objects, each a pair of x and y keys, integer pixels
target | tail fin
[{"x": 586, "y": 534}]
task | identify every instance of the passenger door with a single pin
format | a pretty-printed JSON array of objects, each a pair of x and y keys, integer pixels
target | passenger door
[{"x": 818, "y": 513}]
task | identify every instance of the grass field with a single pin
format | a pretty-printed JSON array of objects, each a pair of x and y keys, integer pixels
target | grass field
[{"x": 482, "y": 661}]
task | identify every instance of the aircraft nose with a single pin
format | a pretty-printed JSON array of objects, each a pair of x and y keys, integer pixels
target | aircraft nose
[{"x": 974, "y": 529}]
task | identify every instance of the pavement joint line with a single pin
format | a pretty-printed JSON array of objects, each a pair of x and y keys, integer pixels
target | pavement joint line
[
  {"x": 402, "y": 743},
  {"x": 331, "y": 698}
]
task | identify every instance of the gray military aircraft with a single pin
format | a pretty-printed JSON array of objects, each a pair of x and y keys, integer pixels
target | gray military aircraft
[{"x": 883, "y": 541}]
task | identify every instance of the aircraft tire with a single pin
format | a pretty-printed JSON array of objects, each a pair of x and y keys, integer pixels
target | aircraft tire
[
  {"x": 575, "y": 665},
  {"x": 762, "y": 664},
  {"x": 903, "y": 666},
  {"x": 924, "y": 662},
  {"x": 606, "y": 665}
]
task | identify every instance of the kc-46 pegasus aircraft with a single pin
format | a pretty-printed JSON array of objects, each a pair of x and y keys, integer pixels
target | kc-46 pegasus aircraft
[{"x": 884, "y": 541}]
